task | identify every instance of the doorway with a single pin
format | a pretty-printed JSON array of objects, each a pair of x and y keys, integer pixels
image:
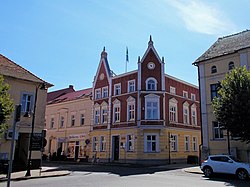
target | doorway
[{"x": 116, "y": 148}]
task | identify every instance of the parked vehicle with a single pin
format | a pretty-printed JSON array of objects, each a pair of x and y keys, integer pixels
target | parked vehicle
[{"x": 225, "y": 164}]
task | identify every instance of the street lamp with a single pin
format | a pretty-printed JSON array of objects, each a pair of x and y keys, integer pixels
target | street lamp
[{"x": 42, "y": 87}]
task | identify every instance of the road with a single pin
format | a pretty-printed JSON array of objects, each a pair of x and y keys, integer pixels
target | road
[{"x": 119, "y": 176}]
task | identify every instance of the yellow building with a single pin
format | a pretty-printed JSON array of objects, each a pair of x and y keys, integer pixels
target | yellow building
[
  {"x": 226, "y": 53},
  {"x": 68, "y": 119},
  {"x": 24, "y": 87},
  {"x": 144, "y": 116}
]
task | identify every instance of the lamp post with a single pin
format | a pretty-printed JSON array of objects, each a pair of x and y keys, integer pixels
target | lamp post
[{"x": 32, "y": 130}]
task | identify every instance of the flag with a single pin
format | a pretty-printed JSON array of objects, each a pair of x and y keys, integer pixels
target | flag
[{"x": 127, "y": 60}]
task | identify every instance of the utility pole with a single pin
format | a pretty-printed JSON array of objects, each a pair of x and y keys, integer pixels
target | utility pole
[{"x": 16, "y": 119}]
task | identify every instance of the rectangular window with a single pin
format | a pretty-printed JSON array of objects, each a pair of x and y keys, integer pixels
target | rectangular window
[
  {"x": 116, "y": 114},
  {"x": 187, "y": 143},
  {"x": 172, "y": 113},
  {"x": 98, "y": 93},
  {"x": 130, "y": 142},
  {"x": 117, "y": 89},
  {"x": 27, "y": 102},
  {"x": 82, "y": 119},
  {"x": 185, "y": 94},
  {"x": 62, "y": 122},
  {"x": 73, "y": 120},
  {"x": 103, "y": 144},
  {"x": 218, "y": 132},
  {"x": 152, "y": 110},
  {"x": 214, "y": 91},
  {"x": 52, "y": 122},
  {"x": 185, "y": 115},
  {"x": 174, "y": 142},
  {"x": 97, "y": 116},
  {"x": 172, "y": 90},
  {"x": 105, "y": 92},
  {"x": 131, "y": 86},
  {"x": 131, "y": 111},
  {"x": 194, "y": 117},
  {"x": 104, "y": 115},
  {"x": 193, "y": 97},
  {"x": 195, "y": 144},
  {"x": 151, "y": 143},
  {"x": 95, "y": 144}
]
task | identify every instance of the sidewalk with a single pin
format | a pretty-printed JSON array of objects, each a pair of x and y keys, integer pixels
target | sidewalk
[
  {"x": 195, "y": 170},
  {"x": 45, "y": 172}
]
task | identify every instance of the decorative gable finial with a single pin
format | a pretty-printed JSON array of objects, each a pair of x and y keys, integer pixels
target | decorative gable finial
[
  {"x": 139, "y": 59},
  {"x": 104, "y": 53},
  {"x": 150, "y": 43}
]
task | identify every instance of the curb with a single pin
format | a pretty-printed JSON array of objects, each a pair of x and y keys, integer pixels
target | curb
[{"x": 35, "y": 177}]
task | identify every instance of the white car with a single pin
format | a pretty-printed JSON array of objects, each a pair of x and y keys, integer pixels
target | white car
[{"x": 225, "y": 164}]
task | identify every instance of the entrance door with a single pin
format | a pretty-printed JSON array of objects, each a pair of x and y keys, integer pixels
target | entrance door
[
  {"x": 76, "y": 152},
  {"x": 116, "y": 147}
]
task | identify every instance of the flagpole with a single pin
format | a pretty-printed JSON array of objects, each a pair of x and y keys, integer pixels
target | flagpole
[{"x": 126, "y": 60}]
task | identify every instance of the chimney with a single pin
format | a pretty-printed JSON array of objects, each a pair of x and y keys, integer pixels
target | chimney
[{"x": 71, "y": 86}]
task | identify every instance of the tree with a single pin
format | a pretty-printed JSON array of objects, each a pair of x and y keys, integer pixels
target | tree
[
  {"x": 232, "y": 106},
  {"x": 6, "y": 105}
]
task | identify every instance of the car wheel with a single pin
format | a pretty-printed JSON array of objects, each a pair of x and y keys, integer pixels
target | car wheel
[
  {"x": 208, "y": 172},
  {"x": 242, "y": 174}
]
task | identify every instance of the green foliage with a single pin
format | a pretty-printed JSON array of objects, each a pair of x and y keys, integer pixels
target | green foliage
[
  {"x": 232, "y": 107},
  {"x": 6, "y": 105}
]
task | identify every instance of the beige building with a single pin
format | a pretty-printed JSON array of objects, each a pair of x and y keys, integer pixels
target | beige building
[
  {"x": 24, "y": 87},
  {"x": 226, "y": 53},
  {"x": 68, "y": 118}
]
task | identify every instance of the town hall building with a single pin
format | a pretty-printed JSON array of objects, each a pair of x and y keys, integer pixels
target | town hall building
[{"x": 145, "y": 115}]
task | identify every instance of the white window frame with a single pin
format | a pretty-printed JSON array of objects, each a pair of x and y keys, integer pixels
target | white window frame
[
  {"x": 186, "y": 113},
  {"x": 173, "y": 103},
  {"x": 147, "y": 84},
  {"x": 52, "y": 122},
  {"x": 186, "y": 143},
  {"x": 174, "y": 143},
  {"x": 95, "y": 143},
  {"x": 157, "y": 146},
  {"x": 195, "y": 143},
  {"x": 193, "y": 97},
  {"x": 152, "y": 98},
  {"x": 130, "y": 142},
  {"x": 117, "y": 89},
  {"x": 98, "y": 93},
  {"x": 82, "y": 119},
  {"x": 104, "y": 113},
  {"x": 27, "y": 102},
  {"x": 172, "y": 90},
  {"x": 117, "y": 113},
  {"x": 130, "y": 109},
  {"x": 185, "y": 94},
  {"x": 105, "y": 92},
  {"x": 102, "y": 143},
  {"x": 219, "y": 129},
  {"x": 194, "y": 115},
  {"x": 131, "y": 86},
  {"x": 62, "y": 121},
  {"x": 97, "y": 115}
]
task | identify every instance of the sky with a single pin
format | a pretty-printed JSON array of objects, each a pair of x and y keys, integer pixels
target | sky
[{"x": 61, "y": 41}]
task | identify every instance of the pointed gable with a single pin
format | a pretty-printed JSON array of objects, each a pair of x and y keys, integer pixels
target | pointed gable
[
  {"x": 151, "y": 66},
  {"x": 103, "y": 74}
]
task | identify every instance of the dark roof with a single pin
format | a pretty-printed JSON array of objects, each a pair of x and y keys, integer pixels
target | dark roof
[
  {"x": 226, "y": 45},
  {"x": 55, "y": 94},
  {"x": 72, "y": 96},
  {"x": 11, "y": 69}
]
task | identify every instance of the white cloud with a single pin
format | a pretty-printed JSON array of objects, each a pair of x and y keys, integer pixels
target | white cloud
[{"x": 202, "y": 18}]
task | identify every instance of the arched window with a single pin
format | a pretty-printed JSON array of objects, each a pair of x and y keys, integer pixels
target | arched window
[
  {"x": 230, "y": 65},
  {"x": 151, "y": 84},
  {"x": 213, "y": 69}
]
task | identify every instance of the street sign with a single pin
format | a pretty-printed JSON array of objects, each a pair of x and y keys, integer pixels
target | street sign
[{"x": 36, "y": 142}]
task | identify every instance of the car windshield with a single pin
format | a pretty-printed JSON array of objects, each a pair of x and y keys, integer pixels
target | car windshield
[{"x": 234, "y": 159}]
